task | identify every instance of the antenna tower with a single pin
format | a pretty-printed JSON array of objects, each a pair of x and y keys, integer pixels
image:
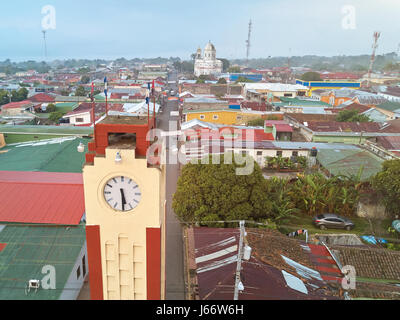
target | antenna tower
[
  {"x": 248, "y": 42},
  {"x": 45, "y": 45},
  {"x": 374, "y": 47}
]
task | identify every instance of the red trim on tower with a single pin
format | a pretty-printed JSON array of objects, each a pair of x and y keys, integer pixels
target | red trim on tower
[
  {"x": 153, "y": 245},
  {"x": 94, "y": 260}
]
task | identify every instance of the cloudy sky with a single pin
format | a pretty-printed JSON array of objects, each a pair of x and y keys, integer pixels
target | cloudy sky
[{"x": 151, "y": 28}]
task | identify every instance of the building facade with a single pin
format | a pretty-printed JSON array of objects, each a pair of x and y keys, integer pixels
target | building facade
[{"x": 207, "y": 63}]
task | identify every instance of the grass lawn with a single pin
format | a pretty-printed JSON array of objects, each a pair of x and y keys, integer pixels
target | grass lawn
[{"x": 362, "y": 226}]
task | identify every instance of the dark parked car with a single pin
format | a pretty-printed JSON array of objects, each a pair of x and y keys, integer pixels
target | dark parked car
[{"x": 329, "y": 220}]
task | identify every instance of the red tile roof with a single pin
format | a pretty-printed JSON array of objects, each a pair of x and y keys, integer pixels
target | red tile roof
[
  {"x": 333, "y": 126},
  {"x": 43, "y": 98},
  {"x": 41, "y": 198},
  {"x": 255, "y": 106},
  {"x": 253, "y": 135},
  {"x": 280, "y": 125},
  {"x": 15, "y": 105}
]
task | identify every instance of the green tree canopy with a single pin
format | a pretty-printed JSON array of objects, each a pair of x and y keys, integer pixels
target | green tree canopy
[
  {"x": 214, "y": 192},
  {"x": 352, "y": 116},
  {"x": 56, "y": 116},
  {"x": 222, "y": 81},
  {"x": 387, "y": 184},
  {"x": 51, "y": 108},
  {"x": 243, "y": 79},
  {"x": 234, "y": 69},
  {"x": 80, "y": 92},
  {"x": 85, "y": 79},
  {"x": 20, "y": 95},
  {"x": 311, "y": 76},
  {"x": 256, "y": 123},
  {"x": 225, "y": 64}
]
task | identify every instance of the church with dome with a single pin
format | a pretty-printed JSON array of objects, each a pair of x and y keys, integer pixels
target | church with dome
[{"x": 207, "y": 63}]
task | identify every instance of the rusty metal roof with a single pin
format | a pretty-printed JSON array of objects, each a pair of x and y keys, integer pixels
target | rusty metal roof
[{"x": 215, "y": 253}]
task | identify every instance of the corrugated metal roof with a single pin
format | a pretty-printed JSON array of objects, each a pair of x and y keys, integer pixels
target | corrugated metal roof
[
  {"x": 349, "y": 162},
  {"x": 31, "y": 248},
  {"x": 55, "y": 155},
  {"x": 45, "y": 198},
  {"x": 216, "y": 259}
]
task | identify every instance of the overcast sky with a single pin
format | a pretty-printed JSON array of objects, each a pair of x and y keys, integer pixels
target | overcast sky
[{"x": 150, "y": 28}]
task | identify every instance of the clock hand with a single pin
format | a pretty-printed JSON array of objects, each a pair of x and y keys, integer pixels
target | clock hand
[{"x": 123, "y": 199}]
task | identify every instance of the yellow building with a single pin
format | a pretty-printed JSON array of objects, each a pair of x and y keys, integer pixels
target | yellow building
[
  {"x": 225, "y": 117},
  {"x": 228, "y": 117}
]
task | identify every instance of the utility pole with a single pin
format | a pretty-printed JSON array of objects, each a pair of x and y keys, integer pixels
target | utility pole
[
  {"x": 374, "y": 47},
  {"x": 239, "y": 262}
]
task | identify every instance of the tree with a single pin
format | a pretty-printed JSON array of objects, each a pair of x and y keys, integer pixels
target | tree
[
  {"x": 387, "y": 185},
  {"x": 80, "y": 92},
  {"x": 225, "y": 64},
  {"x": 311, "y": 76},
  {"x": 214, "y": 192},
  {"x": 243, "y": 79},
  {"x": 20, "y": 95},
  {"x": 85, "y": 79},
  {"x": 51, "y": 108},
  {"x": 4, "y": 97},
  {"x": 56, "y": 116},
  {"x": 222, "y": 81},
  {"x": 256, "y": 123},
  {"x": 352, "y": 116},
  {"x": 234, "y": 69}
]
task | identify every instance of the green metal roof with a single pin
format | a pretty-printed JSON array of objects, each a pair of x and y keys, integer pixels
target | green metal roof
[
  {"x": 55, "y": 155},
  {"x": 66, "y": 106},
  {"x": 54, "y": 130},
  {"x": 28, "y": 249},
  {"x": 300, "y": 102},
  {"x": 348, "y": 162},
  {"x": 389, "y": 106}
]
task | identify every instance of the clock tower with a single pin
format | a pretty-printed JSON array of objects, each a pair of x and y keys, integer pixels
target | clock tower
[{"x": 124, "y": 200}]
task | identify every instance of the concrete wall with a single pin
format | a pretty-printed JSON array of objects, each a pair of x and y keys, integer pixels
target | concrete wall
[
  {"x": 340, "y": 239},
  {"x": 2, "y": 141},
  {"x": 85, "y": 116},
  {"x": 261, "y": 159},
  {"x": 371, "y": 210},
  {"x": 74, "y": 283}
]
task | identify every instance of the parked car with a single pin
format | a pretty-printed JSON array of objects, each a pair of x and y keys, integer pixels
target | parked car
[{"x": 333, "y": 221}]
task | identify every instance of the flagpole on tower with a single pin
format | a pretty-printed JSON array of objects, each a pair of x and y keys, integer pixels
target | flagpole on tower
[
  {"x": 106, "y": 93},
  {"x": 93, "y": 110},
  {"x": 154, "y": 104}
]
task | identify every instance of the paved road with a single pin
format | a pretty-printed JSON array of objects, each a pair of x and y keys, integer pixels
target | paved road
[{"x": 175, "y": 283}]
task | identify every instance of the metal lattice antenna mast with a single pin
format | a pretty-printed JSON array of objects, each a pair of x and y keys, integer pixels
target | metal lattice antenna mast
[
  {"x": 398, "y": 51},
  {"x": 374, "y": 47},
  {"x": 45, "y": 45},
  {"x": 248, "y": 42}
]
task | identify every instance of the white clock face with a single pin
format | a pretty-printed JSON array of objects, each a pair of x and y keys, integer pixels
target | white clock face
[{"x": 122, "y": 194}]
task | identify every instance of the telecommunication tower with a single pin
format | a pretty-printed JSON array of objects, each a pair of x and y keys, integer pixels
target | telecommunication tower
[
  {"x": 248, "y": 42},
  {"x": 45, "y": 45},
  {"x": 374, "y": 47}
]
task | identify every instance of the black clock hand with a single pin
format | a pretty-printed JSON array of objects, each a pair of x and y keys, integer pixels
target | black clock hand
[{"x": 123, "y": 199}]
